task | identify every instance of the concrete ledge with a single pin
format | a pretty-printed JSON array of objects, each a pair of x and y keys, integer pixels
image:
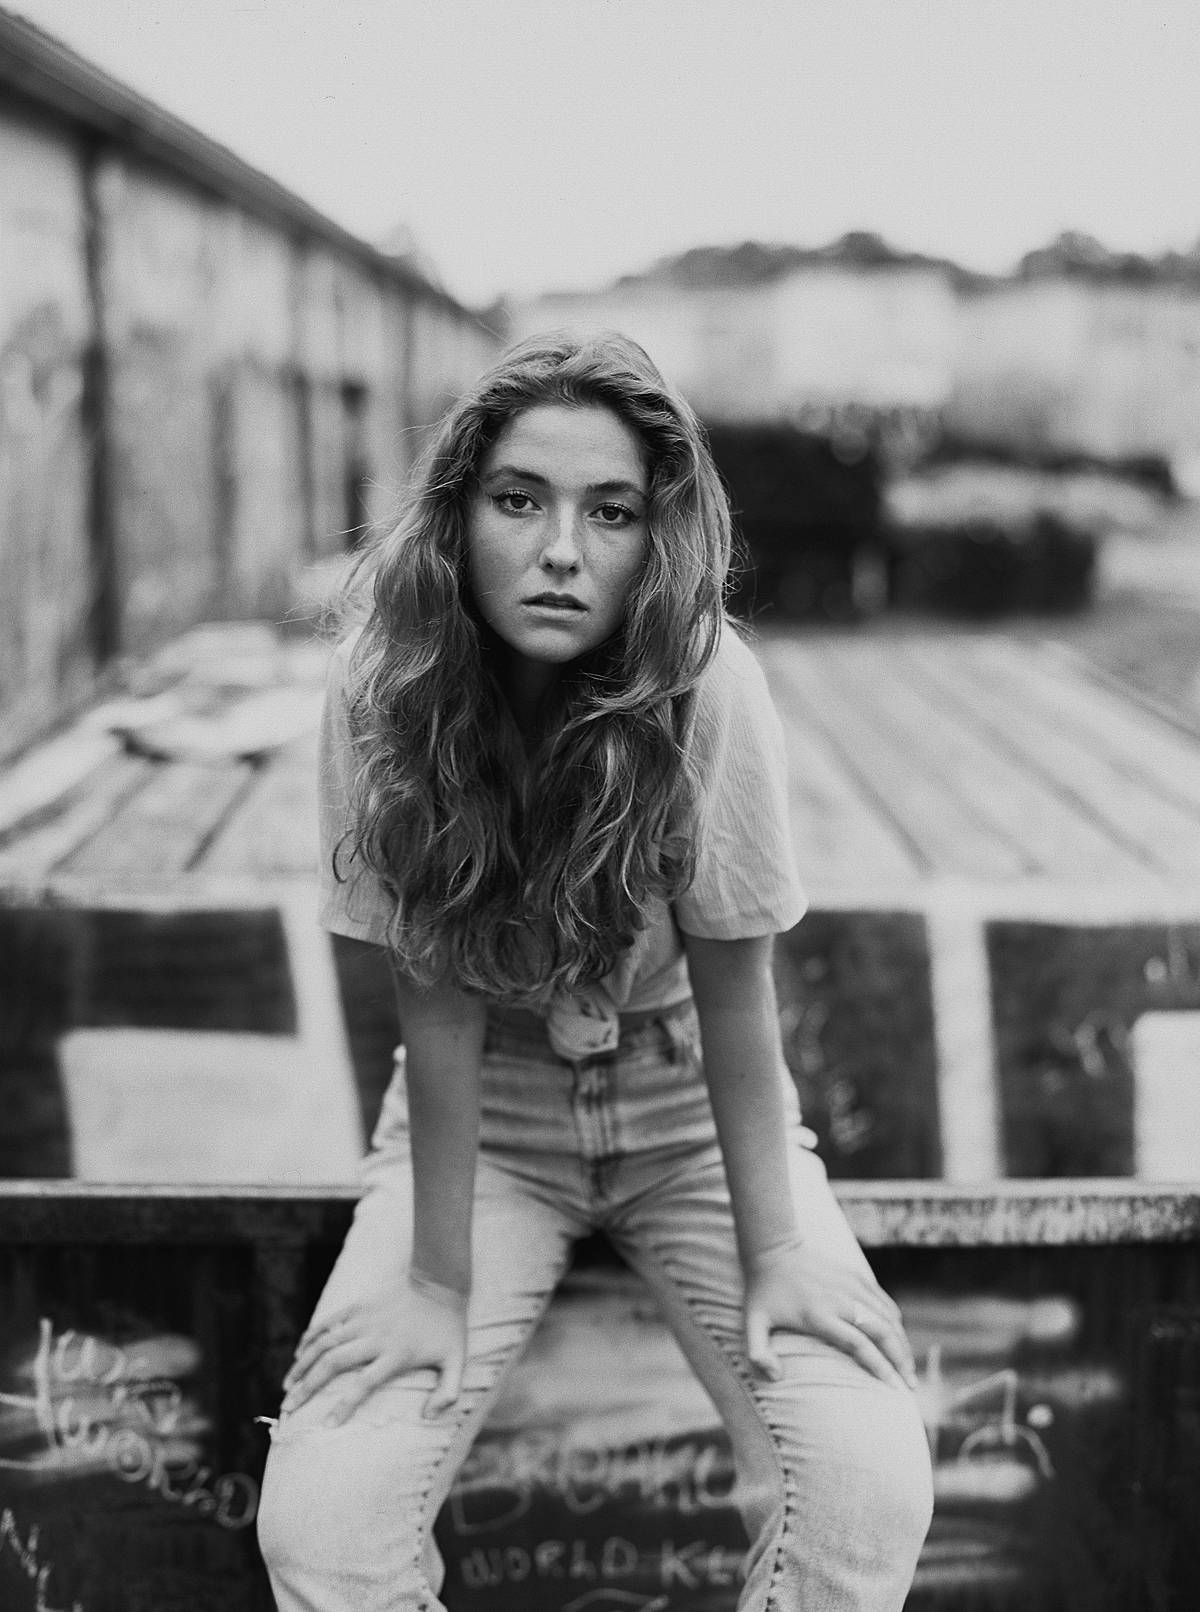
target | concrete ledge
[
  {"x": 1062, "y": 1213},
  {"x": 892, "y": 1214}
]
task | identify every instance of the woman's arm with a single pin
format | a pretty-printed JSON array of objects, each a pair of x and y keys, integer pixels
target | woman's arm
[
  {"x": 739, "y": 1028},
  {"x": 443, "y": 1032},
  {"x": 789, "y": 1283},
  {"x": 418, "y": 1317}
]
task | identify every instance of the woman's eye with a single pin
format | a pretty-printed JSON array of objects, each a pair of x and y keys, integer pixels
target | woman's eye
[
  {"x": 514, "y": 503},
  {"x": 616, "y": 515}
]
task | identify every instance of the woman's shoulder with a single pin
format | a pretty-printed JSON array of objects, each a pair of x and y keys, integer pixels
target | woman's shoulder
[
  {"x": 732, "y": 681},
  {"x": 341, "y": 654},
  {"x": 346, "y": 643}
]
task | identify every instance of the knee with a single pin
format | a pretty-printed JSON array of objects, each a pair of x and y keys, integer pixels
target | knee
[
  {"x": 856, "y": 1465},
  {"x": 334, "y": 1525},
  {"x": 892, "y": 1462},
  {"x": 880, "y": 1464},
  {"x": 291, "y": 1519}
]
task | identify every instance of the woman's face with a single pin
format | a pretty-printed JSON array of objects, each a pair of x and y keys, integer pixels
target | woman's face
[{"x": 556, "y": 531}]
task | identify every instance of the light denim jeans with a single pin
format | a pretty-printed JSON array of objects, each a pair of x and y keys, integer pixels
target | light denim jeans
[{"x": 833, "y": 1466}]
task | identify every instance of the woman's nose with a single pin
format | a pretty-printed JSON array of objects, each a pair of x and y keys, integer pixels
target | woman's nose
[{"x": 562, "y": 550}]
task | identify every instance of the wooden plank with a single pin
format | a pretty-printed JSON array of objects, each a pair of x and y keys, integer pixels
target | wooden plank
[
  {"x": 250, "y": 726},
  {"x": 1159, "y": 756},
  {"x": 30, "y": 857},
  {"x": 1158, "y": 832},
  {"x": 1050, "y": 833},
  {"x": 36, "y": 783},
  {"x": 165, "y": 827},
  {"x": 272, "y": 832},
  {"x": 1094, "y": 673},
  {"x": 945, "y": 833},
  {"x": 837, "y": 831}
]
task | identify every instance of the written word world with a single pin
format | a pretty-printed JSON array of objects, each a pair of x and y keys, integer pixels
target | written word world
[{"x": 87, "y": 1407}]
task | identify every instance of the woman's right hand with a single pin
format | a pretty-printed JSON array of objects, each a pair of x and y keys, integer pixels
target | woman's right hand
[{"x": 372, "y": 1342}]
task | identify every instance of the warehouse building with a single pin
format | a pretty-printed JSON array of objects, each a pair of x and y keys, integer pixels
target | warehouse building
[{"x": 205, "y": 384}]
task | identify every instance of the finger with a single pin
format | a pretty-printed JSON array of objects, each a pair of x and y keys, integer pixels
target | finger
[
  {"x": 854, "y": 1341},
  {"x": 365, "y": 1382},
  {"x": 877, "y": 1316},
  {"x": 450, "y": 1381},
  {"x": 335, "y": 1361},
  {"x": 758, "y": 1344},
  {"x": 884, "y": 1302},
  {"x": 870, "y": 1297},
  {"x": 304, "y": 1365},
  {"x": 301, "y": 1366},
  {"x": 313, "y": 1345},
  {"x": 317, "y": 1330},
  {"x": 889, "y": 1334}
]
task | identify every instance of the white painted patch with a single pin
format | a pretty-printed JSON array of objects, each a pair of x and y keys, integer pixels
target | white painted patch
[
  {"x": 967, "y": 1089},
  {"x": 1166, "y": 1061},
  {"x": 219, "y": 1107}
]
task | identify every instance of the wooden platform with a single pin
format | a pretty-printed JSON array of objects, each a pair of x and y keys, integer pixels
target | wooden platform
[
  {"x": 208, "y": 775},
  {"x": 980, "y": 758},
  {"x": 1000, "y": 973},
  {"x": 913, "y": 758}
]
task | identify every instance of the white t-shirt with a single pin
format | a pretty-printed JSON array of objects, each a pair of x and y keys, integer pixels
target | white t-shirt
[{"x": 745, "y": 883}]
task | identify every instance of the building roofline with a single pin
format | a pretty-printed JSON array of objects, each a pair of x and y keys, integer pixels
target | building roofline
[{"x": 47, "y": 75}]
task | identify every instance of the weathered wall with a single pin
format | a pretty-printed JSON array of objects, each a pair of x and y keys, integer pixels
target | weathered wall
[
  {"x": 1045, "y": 364},
  {"x": 1143, "y": 378},
  {"x": 195, "y": 403},
  {"x": 688, "y": 335},
  {"x": 1081, "y": 367},
  {"x": 821, "y": 336},
  {"x": 259, "y": 527},
  {"x": 170, "y": 415},
  {"x": 884, "y": 338},
  {"x": 44, "y": 334},
  {"x": 1020, "y": 348}
]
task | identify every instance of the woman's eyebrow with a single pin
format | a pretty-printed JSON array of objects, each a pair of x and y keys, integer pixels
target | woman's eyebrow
[
  {"x": 516, "y": 473},
  {"x": 617, "y": 487}
]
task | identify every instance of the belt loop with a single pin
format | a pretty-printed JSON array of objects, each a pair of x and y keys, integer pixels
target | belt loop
[{"x": 677, "y": 1029}]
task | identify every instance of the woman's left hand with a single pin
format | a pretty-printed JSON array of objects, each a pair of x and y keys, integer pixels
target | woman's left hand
[{"x": 798, "y": 1289}]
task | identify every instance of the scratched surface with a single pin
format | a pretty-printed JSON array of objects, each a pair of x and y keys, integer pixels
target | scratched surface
[
  {"x": 129, "y": 1457},
  {"x": 1067, "y": 1001},
  {"x": 1059, "y": 1387},
  {"x": 856, "y": 1014}
]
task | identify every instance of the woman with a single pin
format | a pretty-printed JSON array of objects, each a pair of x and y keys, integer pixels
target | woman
[{"x": 552, "y": 789}]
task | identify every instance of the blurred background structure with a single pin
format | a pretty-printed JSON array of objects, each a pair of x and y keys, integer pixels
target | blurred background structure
[
  {"x": 205, "y": 384},
  {"x": 1024, "y": 411},
  {"x": 1079, "y": 354}
]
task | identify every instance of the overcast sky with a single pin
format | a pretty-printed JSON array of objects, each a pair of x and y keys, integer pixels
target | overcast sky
[{"x": 532, "y": 144}]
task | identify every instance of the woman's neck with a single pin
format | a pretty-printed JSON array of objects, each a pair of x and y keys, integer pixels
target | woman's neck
[{"x": 527, "y": 686}]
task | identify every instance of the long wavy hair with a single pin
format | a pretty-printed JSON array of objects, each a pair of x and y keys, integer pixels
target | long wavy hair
[{"x": 517, "y": 876}]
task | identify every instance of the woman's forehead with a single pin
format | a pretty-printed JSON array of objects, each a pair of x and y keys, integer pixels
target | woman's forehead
[{"x": 586, "y": 444}]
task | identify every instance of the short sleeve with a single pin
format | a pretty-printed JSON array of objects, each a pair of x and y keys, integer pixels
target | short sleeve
[
  {"x": 356, "y": 904},
  {"x": 746, "y": 882}
]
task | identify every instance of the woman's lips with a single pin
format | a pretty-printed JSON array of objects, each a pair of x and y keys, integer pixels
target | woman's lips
[{"x": 557, "y": 601}]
